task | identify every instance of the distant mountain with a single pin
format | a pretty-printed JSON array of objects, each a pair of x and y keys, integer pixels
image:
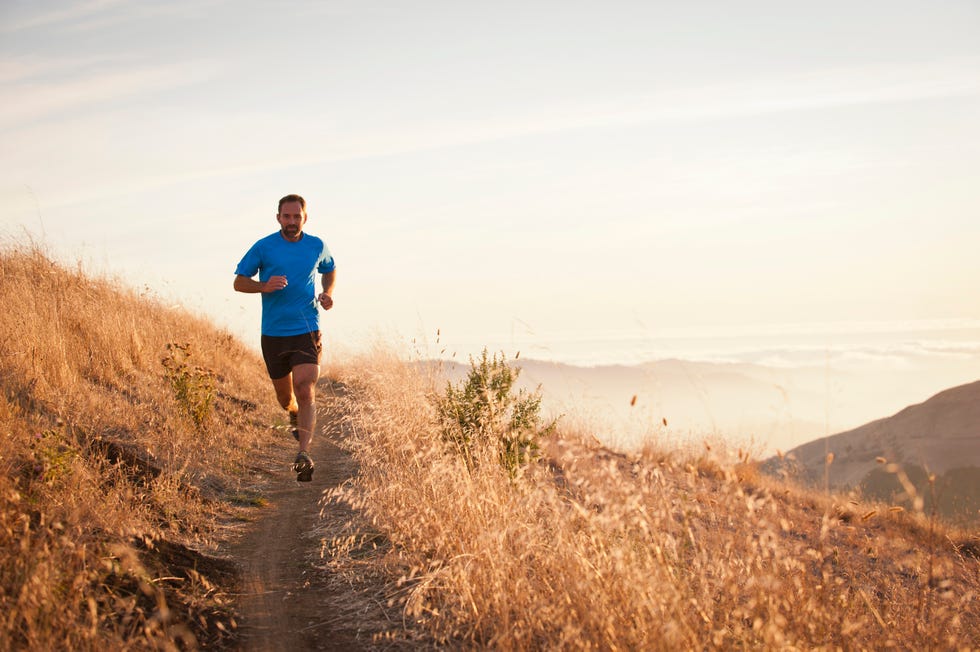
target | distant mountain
[
  {"x": 739, "y": 401},
  {"x": 753, "y": 405},
  {"x": 940, "y": 436}
]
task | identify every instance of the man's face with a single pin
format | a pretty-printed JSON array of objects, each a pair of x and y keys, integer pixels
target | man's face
[{"x": 291, "y": 218}]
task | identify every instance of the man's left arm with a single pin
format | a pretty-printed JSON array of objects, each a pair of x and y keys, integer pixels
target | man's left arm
[{"x": 326, "y": 282}]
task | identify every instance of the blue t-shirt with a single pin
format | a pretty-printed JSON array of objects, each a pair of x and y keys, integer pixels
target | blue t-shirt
[{"x": 293, "y": 309}]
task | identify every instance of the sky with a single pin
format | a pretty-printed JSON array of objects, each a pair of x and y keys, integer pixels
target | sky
[{"x": 513, "y": 173}]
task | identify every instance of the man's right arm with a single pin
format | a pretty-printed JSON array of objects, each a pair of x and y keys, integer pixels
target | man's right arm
[{"x": 251, "y": 286}]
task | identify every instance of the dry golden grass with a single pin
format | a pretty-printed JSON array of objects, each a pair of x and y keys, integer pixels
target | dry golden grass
[
  {"x": 105, "y": 473},
  {"x": 110, "y": 462},
  {"x": 596, "y": 549}
]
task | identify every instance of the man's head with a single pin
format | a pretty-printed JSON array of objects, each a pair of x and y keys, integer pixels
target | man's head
[{"x": 292, "y": 216}]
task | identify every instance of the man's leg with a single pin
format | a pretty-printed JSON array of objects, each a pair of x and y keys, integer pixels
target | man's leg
[
  {"x": 284, "y": 392},
  {"x": 304, "y": 379},
  {"x": 287, "y": 399}
]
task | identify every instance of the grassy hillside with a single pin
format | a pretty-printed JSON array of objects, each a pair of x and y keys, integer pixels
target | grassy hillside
[
  {"x": 590, "y": 548},
  {"x": 125, "y": 427},
  {"x": 122, "y": 424},
  {"x": 934, "y": 445}
]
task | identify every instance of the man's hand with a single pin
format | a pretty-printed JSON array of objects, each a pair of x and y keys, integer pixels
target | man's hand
[
  {"x": 251, "y": 286},
  {"x": 274, "y": 284},
  {"x": 326, "y": 301}
]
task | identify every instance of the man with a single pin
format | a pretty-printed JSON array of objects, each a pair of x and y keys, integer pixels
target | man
[{"x": 287, "y": 263}]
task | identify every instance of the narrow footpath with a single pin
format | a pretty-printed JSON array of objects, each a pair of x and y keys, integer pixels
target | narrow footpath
[{"x": 287, "y": 602}]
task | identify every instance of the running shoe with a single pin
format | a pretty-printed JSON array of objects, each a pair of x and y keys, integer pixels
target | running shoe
[
  {"x": 294, "y": 424},
  {"x": 303, "y": 467}
]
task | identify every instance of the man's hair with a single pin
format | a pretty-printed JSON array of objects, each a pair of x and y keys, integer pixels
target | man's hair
[{"x": 289, "y": 198}]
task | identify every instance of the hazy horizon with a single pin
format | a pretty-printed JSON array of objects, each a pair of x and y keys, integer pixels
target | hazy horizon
[{"x": 776, "y": 389}]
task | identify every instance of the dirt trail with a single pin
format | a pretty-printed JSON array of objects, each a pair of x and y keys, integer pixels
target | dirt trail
[{"x": 286, "y": 602}]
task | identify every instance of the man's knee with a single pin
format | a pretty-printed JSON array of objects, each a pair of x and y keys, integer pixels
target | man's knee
[
  {"x": 304, "y": 383},
  {"x": 305, "y": 392}
]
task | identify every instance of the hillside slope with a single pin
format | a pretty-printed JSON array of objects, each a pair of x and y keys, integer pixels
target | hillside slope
[
  {"x": 124, "y": 426},
  {"x": 940, "y": 433},
  {"x": 130, "y": 431},
  {"x": 593, "y": 548},
  {"x": 939, "y": 436}
]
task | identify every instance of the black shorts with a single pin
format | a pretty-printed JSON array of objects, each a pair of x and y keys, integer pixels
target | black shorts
[{"x": 283, "y": 353}]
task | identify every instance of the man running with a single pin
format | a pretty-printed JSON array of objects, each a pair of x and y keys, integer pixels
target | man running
[{"x": 287, "y": 263}]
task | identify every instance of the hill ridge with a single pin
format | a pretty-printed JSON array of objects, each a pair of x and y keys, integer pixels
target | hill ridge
[{"x": 940, "y": 436}]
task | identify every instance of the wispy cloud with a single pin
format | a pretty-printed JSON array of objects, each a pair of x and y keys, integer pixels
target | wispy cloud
[
  {"x": 32, "y": 68},
  {"x": 67, "y": 15},
  {"x": 40, "y": 99},
  {"x": 363, "y": 137},
  {"x": 98, "y": 14},
  {"x": 814, "y": 91}
]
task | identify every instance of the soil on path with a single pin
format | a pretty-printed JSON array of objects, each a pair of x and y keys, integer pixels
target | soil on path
[{"x": 287, "y": 601}]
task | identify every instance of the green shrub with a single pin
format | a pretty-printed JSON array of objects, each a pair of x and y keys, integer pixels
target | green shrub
[
  {"x": 483, "y": 415},
  {"x": 53, "y": 457},
  {"x": 193, "y": 387}
]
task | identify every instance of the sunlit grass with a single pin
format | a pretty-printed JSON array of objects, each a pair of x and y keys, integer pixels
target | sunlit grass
[
  {"x": 103, "y": 458},
  {"x": 657, "y": 549},
  {"x": 121, "y": 419}
]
